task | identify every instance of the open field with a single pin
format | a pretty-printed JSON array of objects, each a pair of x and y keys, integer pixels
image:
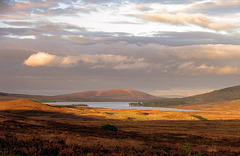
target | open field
[
  {"x": 228, "y": 110},
  {"x": 31, "y": 128}
]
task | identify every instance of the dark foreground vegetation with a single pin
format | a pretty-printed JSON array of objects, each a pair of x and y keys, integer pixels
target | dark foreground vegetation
[{"x": 41, "y": 133}]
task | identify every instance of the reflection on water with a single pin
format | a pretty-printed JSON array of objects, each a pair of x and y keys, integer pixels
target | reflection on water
[{"x": 114, "y": 105}]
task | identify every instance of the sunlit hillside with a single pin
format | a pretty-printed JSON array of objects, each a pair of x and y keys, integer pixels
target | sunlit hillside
[
  {"x": 226, "y": 94},
  {"x": 23, "y": 105},
  {"x": 113, "y": 94}
]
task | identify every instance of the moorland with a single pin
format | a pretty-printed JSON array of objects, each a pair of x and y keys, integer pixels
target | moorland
[{"x": 31, "y": 128}]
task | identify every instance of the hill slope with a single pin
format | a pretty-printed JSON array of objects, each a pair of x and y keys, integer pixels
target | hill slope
[
  {"x": 113, "y": 94},
  {"x": 226, "y": 94},
  {"x": 226, "y": 106},
  {"x": 9, "y": 96},
  {"x": 105, "y": 95},
  {"x": 25, "y": 104}
]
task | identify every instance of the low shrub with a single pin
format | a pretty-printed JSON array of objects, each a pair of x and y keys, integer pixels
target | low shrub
[{"x": 110, "y": 127}]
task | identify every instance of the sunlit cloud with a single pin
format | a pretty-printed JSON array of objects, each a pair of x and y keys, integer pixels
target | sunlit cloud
[
  {"x": 227, "y": 70},
  {"x": 118, "y": 62},
  {"x": 186, "y": 18},
  {"x": 89, "y": 40},
  {"x": 104, "y": 58},
  {"x": 209, "y": 51},
  {"x": 192, "y": 69},
  {"x": 217, "y": 7},
  {"x": 45, "y": 59}
]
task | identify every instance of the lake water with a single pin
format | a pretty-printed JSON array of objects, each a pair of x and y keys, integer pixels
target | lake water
[{"x": 114, "y": 105}]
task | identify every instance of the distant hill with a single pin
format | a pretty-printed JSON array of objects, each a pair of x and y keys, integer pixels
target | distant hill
[
  {"x": 105, "y": 95},
  {"x": 226, "y": 94},
  {"x": 9, "y": 96},
  {"x": 39, "y": 98},
  {"x": 112, "y": 95}
]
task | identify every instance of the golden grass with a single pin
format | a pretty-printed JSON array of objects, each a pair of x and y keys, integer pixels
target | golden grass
[
  {"x": 138, "y": 133},
  {"x": 24, "y": 104},
  {"x": 139, "y": 114},
  {"x": 119, "y": 114},
  {"x": 212, "y": 111},
  {"x": 228, "y": 110}
]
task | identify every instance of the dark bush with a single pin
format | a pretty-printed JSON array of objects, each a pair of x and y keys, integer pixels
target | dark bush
[{"x": 110, "y": 127}]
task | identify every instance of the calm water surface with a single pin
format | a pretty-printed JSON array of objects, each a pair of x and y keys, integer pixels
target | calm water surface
[{"x": 114, "y": 105}]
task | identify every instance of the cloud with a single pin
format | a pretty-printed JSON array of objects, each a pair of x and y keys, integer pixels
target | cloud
[
  {"x": 31, "y": 5},
  {"x": 19, "y": 23},
  {"x": 137, "y": 64},
  {"x": 104, "y": 58},
  {"x": 181, "y": 60},
  {"x": 187, "y": 18},
  {"x": 141, "y": 7},
  {"x": 89, "y": 40},
  {"x": 209, "y": 51},
  {"x": 227, "y": 70},
  {"x": 193, "y": 69},
  {"x": 3, "y": 6},
  {"x": 45, "y": 59},
  {"x": 21, "y": 37},
  {"x": 163, "y": 1},
  {"x": 217, "y": 7},
  {"x": 118, "y": 62}
]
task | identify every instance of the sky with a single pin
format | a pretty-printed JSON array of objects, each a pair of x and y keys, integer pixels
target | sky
[{"x": 162, "y": 47}]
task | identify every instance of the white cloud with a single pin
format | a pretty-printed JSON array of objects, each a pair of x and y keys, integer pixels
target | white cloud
[
  {"x": 110, "y": 61},
  {"x": 45, "y": 59},
  {"x": 21, "y": 37}
]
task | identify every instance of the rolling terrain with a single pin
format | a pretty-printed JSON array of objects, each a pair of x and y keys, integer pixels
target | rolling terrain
[
  {"x": 24, "y": 105},
  {"x": 9, "y": 96},
  {"x": 32, "y": 128},
  {"x": 112, "y": 95},
  {"x": 221, "y": 95},
  {"x": 105, "y": 95}
]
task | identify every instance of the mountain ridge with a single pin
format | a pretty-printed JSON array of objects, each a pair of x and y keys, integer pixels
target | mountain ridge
[
  {"x": 112, "y": 94},
  {"x": 102, "y": 95},
  {"x": 220, "y": 95}
]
